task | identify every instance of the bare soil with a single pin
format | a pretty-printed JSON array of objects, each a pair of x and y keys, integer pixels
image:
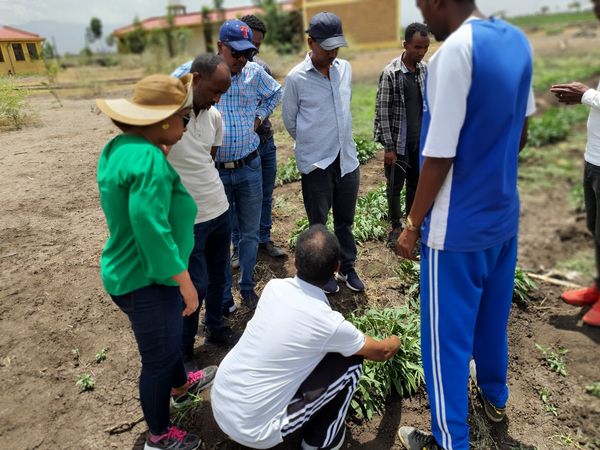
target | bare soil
[{"x": 55, "y": 316}]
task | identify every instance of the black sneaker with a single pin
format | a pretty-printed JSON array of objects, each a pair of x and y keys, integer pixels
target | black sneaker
[
  {"x": 173, "y": 439},
  {"x": 269, "y": 248},
  {"x": 352, "y": 280},
  {"x": 331, "y": 287},
  {"x": 414, "y": 439},
  {"x": 222, "y": 336},
  {"x": 492, "y": 412},
  {"x": 338, "y": 441},
  {"x": 229, "y": 310},
  {"x": 249, "y": 298}
]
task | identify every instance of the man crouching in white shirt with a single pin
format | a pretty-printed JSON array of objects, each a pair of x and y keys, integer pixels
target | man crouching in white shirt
[{"x": 298, "y": 362}]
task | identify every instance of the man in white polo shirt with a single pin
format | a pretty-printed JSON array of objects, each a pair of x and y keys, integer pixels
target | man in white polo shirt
[
  {"x": 191, "y": 158},
  {"x": 298, "y": 362}
]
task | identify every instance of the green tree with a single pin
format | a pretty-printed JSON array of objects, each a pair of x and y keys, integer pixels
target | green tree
[
  {"x": 136, "y": 40},
  {"x": 285, "y": 29},
  {"x": 48, "y": 51},
  {"x": 94, "y": 31}
]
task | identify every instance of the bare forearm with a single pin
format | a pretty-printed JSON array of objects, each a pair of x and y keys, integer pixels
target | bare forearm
[
  {"x": 432, "y": 177},
  {"x": 379, "y": 350}
]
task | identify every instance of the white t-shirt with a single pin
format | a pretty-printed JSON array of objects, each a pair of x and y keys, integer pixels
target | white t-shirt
[
  {"x": 191, "y": 159},
  {"x": 293, "y": 328},
  {"x": 592, "y": 149}
]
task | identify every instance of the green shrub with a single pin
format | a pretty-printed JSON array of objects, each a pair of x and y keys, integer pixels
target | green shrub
[
  {"x": 366, "y": 148},
  {"x": 288, "y": 172},
  {"x": 523, "y": 287},
  {"x": 12, "y": 102},
  {"x": 403, "y": 373},
  {"x": 555, "y": 125},
  {"x": 551, "y": 70}
]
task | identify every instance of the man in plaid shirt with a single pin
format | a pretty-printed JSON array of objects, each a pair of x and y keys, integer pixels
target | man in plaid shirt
[
  {"x": 398, "y": 114},
  {"x": 252, "y": 97}
]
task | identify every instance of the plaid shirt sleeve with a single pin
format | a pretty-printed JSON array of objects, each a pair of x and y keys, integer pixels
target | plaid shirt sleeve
[
  {"x": 385, "y": 111},
  {"x": 269, "y": 92},
  {"x": 182, "y": 70}
]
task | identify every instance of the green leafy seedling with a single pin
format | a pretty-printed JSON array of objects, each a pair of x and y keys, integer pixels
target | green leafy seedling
[
  {"x": 101, "y": 355},
  {"x": 86, "y": 382}
]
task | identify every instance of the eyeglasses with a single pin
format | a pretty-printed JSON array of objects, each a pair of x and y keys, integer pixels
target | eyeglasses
[{"x": 248, "y": 54}]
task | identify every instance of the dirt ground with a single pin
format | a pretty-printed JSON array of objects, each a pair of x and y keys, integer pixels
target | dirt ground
[{"x": 55, "y": 316}]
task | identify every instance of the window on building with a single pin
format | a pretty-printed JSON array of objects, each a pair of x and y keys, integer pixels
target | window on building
[
  {"x": 1, "y": 56},
  {"x": 32, "y": 50},
  {"x": 18, "y": 51}
]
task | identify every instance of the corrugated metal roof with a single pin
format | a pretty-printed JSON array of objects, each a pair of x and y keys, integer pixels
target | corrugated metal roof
[
  {"x": 14, "y": 34},
  {"x": 186, "y": 20}
]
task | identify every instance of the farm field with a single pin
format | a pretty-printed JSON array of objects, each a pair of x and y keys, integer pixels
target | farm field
[{"x": 57, "y": 324}]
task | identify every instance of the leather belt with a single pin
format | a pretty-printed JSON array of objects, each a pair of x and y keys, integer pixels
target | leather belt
[{"x": 237, "y": 163}]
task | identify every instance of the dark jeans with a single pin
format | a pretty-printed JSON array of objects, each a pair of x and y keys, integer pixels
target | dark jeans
[
  {"x": 405, "y": 169},
  {"x": 321, "y": 403},
  {"x": 155, "y": 315},
  {"x": 325, "y": 189},
  {"x": 243, "y": 187},
  {"x": 591, "y": 193},
  {"x": 268, "y": 157},
  {"x": 209, "y": 262}
]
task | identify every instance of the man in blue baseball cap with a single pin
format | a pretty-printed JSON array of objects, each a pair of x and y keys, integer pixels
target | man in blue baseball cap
[
  {"x": 316, "y": 113},
  {"x": 252, "y": 97}
]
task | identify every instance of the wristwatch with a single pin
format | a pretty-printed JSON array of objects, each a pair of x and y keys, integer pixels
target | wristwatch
[
  {"x": 260, "y": 119},
  {"x": 410, "y": 226}
]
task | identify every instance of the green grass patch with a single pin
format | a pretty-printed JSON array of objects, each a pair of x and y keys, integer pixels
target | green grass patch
[
  {"x": 552, "y": 20},
  {"x": 369, "y": 220},
  {"x": 552, "y": 70},
  {"x": 403, "y": 373},
  {"x": 13, "y": 102},
  {"x": 593, "y": 389},
  {"x": 363, "y": 108},
  {"x": 555, "y": 124},
  {"x": 523, "y": 288},
  {"x": 554, "y": 359}
]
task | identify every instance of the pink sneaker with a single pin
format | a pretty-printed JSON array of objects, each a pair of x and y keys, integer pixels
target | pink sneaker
[{"x": 173, "y": 439}]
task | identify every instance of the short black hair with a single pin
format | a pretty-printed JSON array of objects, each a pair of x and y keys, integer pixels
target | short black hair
[
  {"x": 206, "y": 64},
  {"x": 413, "y": 28},
  {"x": 255, "y": 23},
  {"x": 317, "y": 255}
]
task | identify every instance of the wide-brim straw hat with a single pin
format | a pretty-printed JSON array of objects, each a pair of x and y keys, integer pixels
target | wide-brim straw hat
[{"x": 155, "y": 98}]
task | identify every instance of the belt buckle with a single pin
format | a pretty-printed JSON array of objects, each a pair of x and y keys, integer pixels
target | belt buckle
[{"x": 229, "y": 165}]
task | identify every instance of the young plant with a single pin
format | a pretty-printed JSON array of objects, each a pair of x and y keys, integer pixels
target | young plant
[
  {"x": 365, "y": 148},
  {"x": 12, "y": 102},
  {"x": 545, "y": 395},
  {"x": 403, "y": 373},
  {"x": 101, "y": 355},
  {"x": 554, "y": 359},
  {"x": 288, "y": 172},
  {"x": 86, "y": 382},
  {"x": 593, "y": 389},
  {"x": 523, "y": 287}
]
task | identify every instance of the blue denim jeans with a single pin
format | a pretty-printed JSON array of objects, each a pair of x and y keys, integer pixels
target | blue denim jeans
[
  {"x": 155, "y": 315},
  {"x": 243, "y": 187},
  {"x": 211, "y": 244},
  {"x": 268, "y": 156}
]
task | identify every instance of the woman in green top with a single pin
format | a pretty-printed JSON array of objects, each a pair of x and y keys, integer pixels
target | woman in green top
[{"x": 150, "y": 217}]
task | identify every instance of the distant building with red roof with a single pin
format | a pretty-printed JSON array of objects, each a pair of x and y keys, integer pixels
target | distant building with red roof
[
  {"x": 20, "y": 51},
  {"x": 195, "y": 22}
]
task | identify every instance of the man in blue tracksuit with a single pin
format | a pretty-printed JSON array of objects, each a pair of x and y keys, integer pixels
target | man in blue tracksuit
[{"x": 466, "y": 210}]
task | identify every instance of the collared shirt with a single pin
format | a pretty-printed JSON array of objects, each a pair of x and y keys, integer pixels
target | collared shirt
[
  {"x": 390, "y": 128},
  {"x": 294, "y": 327},
  {"x": 192, "y": 160},
  {"x": 592, "y": 149},
  {"x": 316, "y": 113},
  {"x": 252, "y": 93}
]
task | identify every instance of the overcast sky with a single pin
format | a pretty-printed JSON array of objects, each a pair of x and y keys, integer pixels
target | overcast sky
[
  {"x": 122, "y": 11},
  {"x": 115, "y": 13}
]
